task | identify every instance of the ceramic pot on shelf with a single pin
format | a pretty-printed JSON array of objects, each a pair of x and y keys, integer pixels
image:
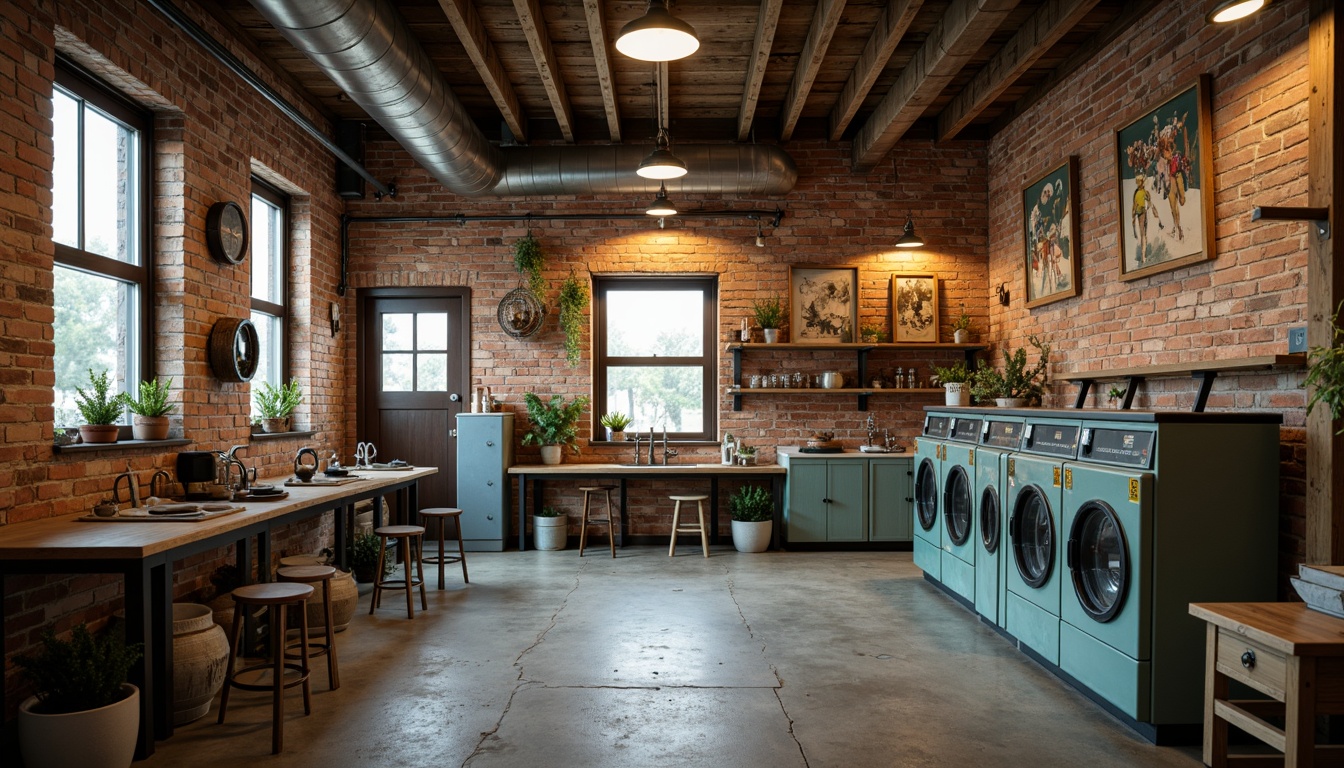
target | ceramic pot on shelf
[
  {"x": 771, "y": 335},
  {"x": 552, "y": 454},
  {"x": 98, "y": 433},
  {"x": 273, "y": 426},
  {"x": 961, "y": 336},
  {"x": 956, "y": 393},
  {"x": 149, "y": 427},
  {"x": 1010, "y": 402}
]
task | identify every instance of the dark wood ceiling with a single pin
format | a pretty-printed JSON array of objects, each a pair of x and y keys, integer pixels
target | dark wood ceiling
[{"x": 937, "y": 68}]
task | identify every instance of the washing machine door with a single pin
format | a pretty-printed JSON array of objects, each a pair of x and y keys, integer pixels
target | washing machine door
[
  {"x": 1033, "y": 531},
  {"x": 989, "y": 519},
  {"x": 926, "y": 495},
  {"x": 1098, "y": 558},
  {"x": 957, "y": 505}
]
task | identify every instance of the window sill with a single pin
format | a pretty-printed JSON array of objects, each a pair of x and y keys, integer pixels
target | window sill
[
  {"x": 119, "y": 445},
  {"x": 282, "y": 435}
]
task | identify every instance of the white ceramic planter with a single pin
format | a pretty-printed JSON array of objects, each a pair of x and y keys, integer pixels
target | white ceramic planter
[
  {"x": 550, "y": 532},
  {"x": 961, "y": 336},
  {"x": 96, "y": 738},
  {"x": 149, "y": 427},
  {"x": 552, "y": 454},
  {"x": 751, "y": 537},
  {"x": 956, "y": 393},
  {"x": 200, "y": 655},
  {"x": 771, "y": 335}
]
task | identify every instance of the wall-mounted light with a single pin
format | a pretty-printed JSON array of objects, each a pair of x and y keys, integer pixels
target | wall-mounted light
[
  {"x": 661, "y": 206},
  {"x": 657, "y": 36},
  {"x": 760, "y": 238},
  {"x": 908, "y": 237},
  {"x": 1002, "y": 291},
  {"x": 1233, "y": 10},
  {"x": 335, "y": 318}
]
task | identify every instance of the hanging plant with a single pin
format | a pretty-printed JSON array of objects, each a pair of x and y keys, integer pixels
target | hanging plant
[
  {"x": 528, "y": 259},
  {"x": 573, "y": 300}
]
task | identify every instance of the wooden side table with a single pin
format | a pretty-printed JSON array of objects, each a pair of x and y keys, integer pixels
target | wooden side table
[{"x": 1288, "y": 652}]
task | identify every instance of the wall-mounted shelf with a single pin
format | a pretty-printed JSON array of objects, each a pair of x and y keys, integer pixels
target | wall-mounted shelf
[{"x": 1205, "y": 371}]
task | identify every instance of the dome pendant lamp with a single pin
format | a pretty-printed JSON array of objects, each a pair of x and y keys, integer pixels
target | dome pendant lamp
[
  {"x": 657, "y": 36},
  {"x": 908, "y": 238},
  {"x": 661, "y": 163},
  {"x": 1234, "y": 10},
  {"x": 661, "y": 205}
]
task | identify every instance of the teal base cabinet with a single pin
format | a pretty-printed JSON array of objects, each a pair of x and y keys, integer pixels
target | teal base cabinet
[
  {"x": 846, "y": 498},
  {"x": 484, "y": 455}
]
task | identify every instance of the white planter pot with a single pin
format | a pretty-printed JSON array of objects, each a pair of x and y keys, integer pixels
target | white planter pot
[
  {"x": 751, "y": 537},
  {"x": 961, "y": 337},
  {"x": 956, "y": 393},
  {"x": 771, "y": 335},
  {"x": 550, "y": 532},
  {"x": 1010, "y": 402},
  {"x": 552, "y": 454},
  {"x": 96, "y": 738},
  {"x": 149, "y": 427}
]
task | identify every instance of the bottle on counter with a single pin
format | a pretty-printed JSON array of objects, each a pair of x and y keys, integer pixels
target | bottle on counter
[{"x": 728, "y": 450}]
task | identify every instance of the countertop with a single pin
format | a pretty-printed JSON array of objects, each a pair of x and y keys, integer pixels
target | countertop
[
  {"x": 793, "y": 451},
  {"x": 617, "y": 470}
]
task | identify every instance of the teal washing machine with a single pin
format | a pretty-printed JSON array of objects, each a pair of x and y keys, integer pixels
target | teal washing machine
[
  {"x": 999, "y": 437},
  {"x": 958, "y": 506},
  {"x": 928, "y": 539},
  {"x": 1035, "y": 536}
]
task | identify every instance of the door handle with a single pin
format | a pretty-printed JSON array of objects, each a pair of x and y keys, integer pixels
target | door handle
[
  {"x": 1248, "y": 659},
  {"x": 490, "y": 482},
  {"x": 489, "y": 443},
  {"x": 456, "y": 398}
]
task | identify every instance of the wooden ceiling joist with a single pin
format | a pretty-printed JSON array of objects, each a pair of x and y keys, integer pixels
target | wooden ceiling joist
[
  {"x": 824, "y": 22},
  {"x": 964, "y": 28},
  {"x": 891, "y": 27},
  {"x": 766, "y": 24},
  {"x": 597, "y": 33},
  {"x": 471, "y": 32},
  {"x": 533, "y": 24},
  {"x": 1038, "y": 35}
]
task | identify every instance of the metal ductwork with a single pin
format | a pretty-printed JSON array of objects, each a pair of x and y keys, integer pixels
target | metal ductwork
[{"x": 366, "y": 48}]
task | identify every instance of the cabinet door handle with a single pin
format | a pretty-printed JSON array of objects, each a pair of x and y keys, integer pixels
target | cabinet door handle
[
  {"x": 489, "y": 443},
  {"x": 489, "y": 517},
  {"x": 1248, "y": 659},
  {"x": 909, "y": 498},
  {"x": 825, "y": 501},
  {"x": 490, "y": 482}
]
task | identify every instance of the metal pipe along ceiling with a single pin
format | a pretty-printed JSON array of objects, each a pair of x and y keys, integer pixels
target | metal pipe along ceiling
[{"x": 366, "y": 48}]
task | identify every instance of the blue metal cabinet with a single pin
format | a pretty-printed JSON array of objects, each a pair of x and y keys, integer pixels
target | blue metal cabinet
[
  {"x": 484, "y": 455},
  {"x": 889, "y": 499},
  {"x": 826, "y": 500}
]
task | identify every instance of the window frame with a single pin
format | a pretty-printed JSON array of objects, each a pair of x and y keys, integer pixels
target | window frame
[
  {"x": 89, "y": 90},
  {"x": 708, "y": 359},
  {"x": 280, "y": 311}
]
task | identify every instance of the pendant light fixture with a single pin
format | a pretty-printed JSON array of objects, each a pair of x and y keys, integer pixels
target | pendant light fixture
[
  {"x": 1234, "y": 10},
  {"x": 661, "y": 205},
  {"x": 908, "y": 238},
  {"x": 661, "y": 163},
  {"x": 657, "y": 36}
]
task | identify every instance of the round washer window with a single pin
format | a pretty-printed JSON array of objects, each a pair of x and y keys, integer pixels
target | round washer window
[
  {"x": 1033, "y": 534},
  {"x": 926, "y": 495},
  {"x": 989, "y": 519},
  {"x": 1099, "y": 560},
  {"x": 957, "y": 505}
]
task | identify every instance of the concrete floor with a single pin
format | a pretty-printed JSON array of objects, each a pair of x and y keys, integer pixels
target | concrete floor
[{"x": 781, "y": 660}]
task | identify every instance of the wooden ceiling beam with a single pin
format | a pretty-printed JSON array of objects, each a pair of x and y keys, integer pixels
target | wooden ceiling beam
[
  {"x": 824, "y": 21},
  {"x": 533, "y": 24},
  {"x": 597, "y": 33},
  {"x": 891, "y": 27},
  {"x": 471, "y": 32},
  {"x": 1038, "y": 35},
  {"x": 766, "y": 24},
  {"x": 964, "y": 28}
]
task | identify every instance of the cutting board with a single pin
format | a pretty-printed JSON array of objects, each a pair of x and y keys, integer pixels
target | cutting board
[
  {"x": 294, "y": 482},
  {"x": 141, "y": 516}
]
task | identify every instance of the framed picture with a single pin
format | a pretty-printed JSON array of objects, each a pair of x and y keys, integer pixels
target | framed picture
[
  {"x": 1050, "y": 232},
  {"x": 1164, "y": 167},
  {"x": 823, "y": 304},
  {"x": 914, "y": 300}
]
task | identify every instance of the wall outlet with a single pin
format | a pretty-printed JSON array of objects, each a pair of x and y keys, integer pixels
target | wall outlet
[{"x": 1297, "y": 340}]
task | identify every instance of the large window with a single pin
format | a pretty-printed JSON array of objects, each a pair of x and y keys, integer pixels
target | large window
[
  {"x": 99, "y": 207},
  {"x": 655, "y": 354},
  {"x": 269, "y": 246}
]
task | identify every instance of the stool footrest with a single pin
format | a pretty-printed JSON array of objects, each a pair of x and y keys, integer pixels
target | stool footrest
[{"x": 268, "y": 667}]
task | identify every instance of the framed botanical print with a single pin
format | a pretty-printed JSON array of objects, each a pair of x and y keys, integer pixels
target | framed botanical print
[
  {"x": 1050, "y": 232},
  {"x": 823, "y": 304},
  {"x": 1164, "y": 172},
  {"x": 914, "y": 304}
]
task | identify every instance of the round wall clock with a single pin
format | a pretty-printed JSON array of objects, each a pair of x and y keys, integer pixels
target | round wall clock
[
  {"x": 234, "y": 349},
  {"x": 226, "y": 232}
]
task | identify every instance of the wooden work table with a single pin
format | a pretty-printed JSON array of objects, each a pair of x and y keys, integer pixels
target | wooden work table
[
  {"x": 143, "y": 554},
  {"x": 539, "y": 473}
]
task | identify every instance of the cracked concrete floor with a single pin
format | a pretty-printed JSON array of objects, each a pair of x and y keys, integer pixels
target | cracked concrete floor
[{"x": 781, "y": 660}]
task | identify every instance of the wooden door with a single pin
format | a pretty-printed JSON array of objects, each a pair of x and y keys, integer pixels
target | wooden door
[{"x": 414, "y": 367}]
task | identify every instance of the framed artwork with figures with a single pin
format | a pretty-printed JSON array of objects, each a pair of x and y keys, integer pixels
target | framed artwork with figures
[
  {"x": 1050, "y": 232},
  {"x": 823, "y": 304},
  {"x": 914, "y": 307}
]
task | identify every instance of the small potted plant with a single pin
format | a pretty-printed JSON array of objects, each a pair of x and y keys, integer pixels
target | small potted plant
[
  {"x": 100, "y": 409},
  {"x": 1116, "y": 396},
  {"x": 955, "y": 381},
  {"x": 554, "y": 425},
  {"x": 872, "y": 333},
  {"x": 770, "y": 316},
  {"x": 277, "y": 404},
  {"x": 364, "y": 557},
  {"x": 746, "y": 455},
  {"x": 550, "y": 528},
  {"x": 962, "y": 327},
  {"x": 1017, "y": 385},
  {"x": 1325, "y": 372},
  {"x": 753, "y": 510},
  {"x": 149, "y": 420},
  {"x": 616, "y": 422},
  {"x": 84, "y": 712}
]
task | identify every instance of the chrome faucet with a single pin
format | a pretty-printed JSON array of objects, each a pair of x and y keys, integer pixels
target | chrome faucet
[
  {"x": 872, "y": 429},
  {"x": 666, "y": 451},
  {"x": 154, "y": 482},
  {"x": 242, "y": 474},
  {"x": 132, "y": 486},
  {"x": 637, "y": 448}
]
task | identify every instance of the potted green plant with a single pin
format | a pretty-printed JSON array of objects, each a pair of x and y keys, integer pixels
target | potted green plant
[
  {"x": 746, "y": 455},
  {"x": 872, "y": 333},
  {"x": 1116, "y": 395},
  {"x": 1017, "y": 385},
  {"x": 769, "y": 316},
  {"x": 277, "y": 404},
  {"x": 550, "y": 528},
  {"x": 573, "y": 300},
  {"x": 149, "y": 420},
  {"x": 99, "y": 408},
  {"x": 955, "y": 381},
  {"x": 84, "y": 712},
  {"x": 364, "y": 552},
  {"x": 962, "y": 327},
  {"x": 1325, "y": 372},
  {"x": 753, "y": 511},
  {"x": 616, "y": 422},
  {"x": 555, "y": 424}
]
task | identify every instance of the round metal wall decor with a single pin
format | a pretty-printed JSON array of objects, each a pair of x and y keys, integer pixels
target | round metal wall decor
[
  {"x": 234, "y": 349},
  {"x": 521, "y": 313}
]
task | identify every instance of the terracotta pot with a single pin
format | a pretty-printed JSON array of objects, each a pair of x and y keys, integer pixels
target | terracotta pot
[
  {"x": 272, "y": 426},
  {"x": 552, "y": 454},
  {"x": 751, "y": 537},
  {"x": 221, "y": 612},
  {"x": 200, "y": 656},
  {"x": 99, "y": 433},
  {"x": 149, "y": 427},
  {"x": 95, "y": 738}
]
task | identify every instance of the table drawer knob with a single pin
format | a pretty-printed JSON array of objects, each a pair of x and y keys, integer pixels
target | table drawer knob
[{"x": 1248, "y": 659}]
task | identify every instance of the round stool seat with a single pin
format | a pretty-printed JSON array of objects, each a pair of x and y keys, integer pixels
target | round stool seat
[
  {"x": 411, "y": 537},
  {"x": 272, "y": 593},
  {"x": 399, "y": 531},
  {"x": 598, "y": 488},
  {"x": 441, "y": 512},
  {"x": 698, "y": 497},
  {"x": 306, "y": 573}
]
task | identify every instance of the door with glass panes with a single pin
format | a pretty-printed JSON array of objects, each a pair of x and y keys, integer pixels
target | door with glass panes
[{"x": 414, "y": 369}]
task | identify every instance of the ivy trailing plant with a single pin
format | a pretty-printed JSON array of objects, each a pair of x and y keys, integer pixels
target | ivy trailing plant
[
  {"x": 573, "y": 300},
  {"x": 528, "y": 259},
  {"x": 1325, "y": 372}
]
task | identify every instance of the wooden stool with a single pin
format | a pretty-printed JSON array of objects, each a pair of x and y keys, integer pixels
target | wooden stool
[
  {"x": 591, "y": 491},
  {"x": 409, "y": 538},
  {"x": 276, "y": 597},
  {"x": 442, "y": 515},
  {"x": 678, "y": 528},
  {"x": 316, "y": 574}
]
